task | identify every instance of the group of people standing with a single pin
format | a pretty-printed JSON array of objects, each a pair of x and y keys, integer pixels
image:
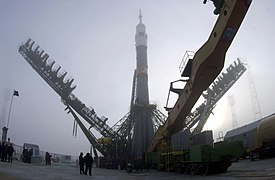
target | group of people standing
[
  {"x": 27, "y": 155},
  {"x": 6, "y": 151},
  {"x": 85, "y": 163}
]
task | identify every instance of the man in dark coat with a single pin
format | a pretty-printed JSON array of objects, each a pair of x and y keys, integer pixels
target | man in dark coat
[
  {"x": 47, "y": 158},
  {"x": 29, "y": 156},
  {"x": 10, "y": 151},
  {"x": 1, "y": 150},
  {"x": 81, "y": 163},
  {"x": 4, "y": 152},
  {"x": 24, "y": 155},
  {"x": 88, "y": 160}
]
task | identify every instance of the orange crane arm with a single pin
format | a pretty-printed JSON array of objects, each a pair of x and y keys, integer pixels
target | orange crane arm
[{"x": 205, "y": 66}]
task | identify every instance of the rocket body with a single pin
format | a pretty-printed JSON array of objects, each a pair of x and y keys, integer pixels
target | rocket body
[
  {"x": 142, "y": 94},
  {"x": 143, "y": 130}
]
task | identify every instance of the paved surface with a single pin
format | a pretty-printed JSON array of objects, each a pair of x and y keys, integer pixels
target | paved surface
[{"x": 244, "y": 170}]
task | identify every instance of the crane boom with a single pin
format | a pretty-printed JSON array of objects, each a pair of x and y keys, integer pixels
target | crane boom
[{"x": 205, "y": 66}]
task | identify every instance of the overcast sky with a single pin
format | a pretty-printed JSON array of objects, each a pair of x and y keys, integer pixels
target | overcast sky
[{"x": 94, "y": 42}]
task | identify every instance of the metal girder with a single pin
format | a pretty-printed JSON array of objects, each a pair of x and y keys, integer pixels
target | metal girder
[
  {"x": 206, "y": 65},
  {"x": 62, "y": 86},
  {"x": 214, "y": 93},
  {"x": 89, "y": 135}
]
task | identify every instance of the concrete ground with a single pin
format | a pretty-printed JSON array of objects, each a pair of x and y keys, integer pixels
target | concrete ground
[{"x": 244, "y": 170}]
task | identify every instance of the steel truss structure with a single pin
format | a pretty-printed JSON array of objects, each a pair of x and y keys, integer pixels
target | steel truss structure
[{"x": 115, "y": 140}]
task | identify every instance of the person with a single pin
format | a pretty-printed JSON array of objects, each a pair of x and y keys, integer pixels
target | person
[
  {"x": 88, "y": 160},
  {"x": 139, "y": 163},
  {"x": 81, "y": 163},
  {"x": 4, "y": 152},
  {"x": 10, "y": 151},
  {"x": 2, "y": 146},
  {"x": 29, "y": 156},
  {"x": 0, "y": 149},
  {"x": 24, "y": 155},
  {"x": 47, "y": 158}
]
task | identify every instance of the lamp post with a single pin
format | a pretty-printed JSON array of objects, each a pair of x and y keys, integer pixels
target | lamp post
[{"x": 5, "y": 129}]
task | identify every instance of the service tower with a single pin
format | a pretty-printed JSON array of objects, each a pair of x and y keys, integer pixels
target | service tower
[{"x": 143, "y": 128}]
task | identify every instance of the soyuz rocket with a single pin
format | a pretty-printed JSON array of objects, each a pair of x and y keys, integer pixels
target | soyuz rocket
[
  {"x": 141, "y": 66},
  {"x": 143, "y": 130}
]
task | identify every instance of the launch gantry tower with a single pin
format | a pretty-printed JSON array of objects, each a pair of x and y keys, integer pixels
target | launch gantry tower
[
  {"x": 121, "y": 133},
  {"x": 133, "y": 133}
]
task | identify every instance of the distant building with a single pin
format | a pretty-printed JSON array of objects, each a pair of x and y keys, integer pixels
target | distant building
[
  {"x": 246, "y": 133},
  {"x": 60, "y": 158}
]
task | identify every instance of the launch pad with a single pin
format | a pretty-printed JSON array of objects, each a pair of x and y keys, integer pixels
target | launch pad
[{"x": 145, "y": 129}]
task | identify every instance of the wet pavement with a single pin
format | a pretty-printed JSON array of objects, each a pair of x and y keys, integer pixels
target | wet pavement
[{"x": 244, "y": 170}]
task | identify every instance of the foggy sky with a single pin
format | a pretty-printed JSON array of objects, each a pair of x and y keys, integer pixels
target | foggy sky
[{"x": 94, "y": 42}]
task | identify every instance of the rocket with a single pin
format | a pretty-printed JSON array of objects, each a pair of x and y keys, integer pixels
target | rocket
[
  {"x": 143, "y": 130},
  {"x": 141, "y": 66}
]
